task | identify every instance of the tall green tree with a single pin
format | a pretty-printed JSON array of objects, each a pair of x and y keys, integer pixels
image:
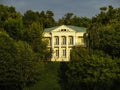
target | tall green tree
[
  {"x": 49, "y": 20},
  {"x": 45, "y": 18},
  {"x": 71, "y": 19},
  {"x": 14, "y": 26},
  {"x": 90, "y": 70},
  {"x": 11, "y": 21},
  {"x": 6, "y": 12},
  {"x": 18, "y": 64},
  {"x": 8, "y": 74},
  {"x": 29, "y": 17},
  {"x": 104, "y": 32},
  {"x": 34, "y": 36},
  {"x": 30, "y": 68}
]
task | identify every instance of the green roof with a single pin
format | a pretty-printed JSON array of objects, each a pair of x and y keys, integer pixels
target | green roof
[
  {"x": 76, "y": 28},
  {"x": 50, "y": 29}
]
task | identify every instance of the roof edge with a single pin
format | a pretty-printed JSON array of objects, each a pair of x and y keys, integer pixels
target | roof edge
[{"x": 76, "y": 28}]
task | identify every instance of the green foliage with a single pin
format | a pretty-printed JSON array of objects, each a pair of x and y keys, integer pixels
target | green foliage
[
  {"x": 49, "y": 20},
  {"x": 104, "y": 32},
  {"x": 27, "y": 62},
  {"x": 44, "y": 18},
  {"x": 18, "y": 67},
  {"x": 49, "y": 78},
  {"x": 95, "y": 67},
  {"x": 34, "y": 36},
  {"x": 71, "y": 19},
  {"x": 109, "y": 41},
  {"x": 90, "y": 70},
  {"x": 11, "y": 21},
  {"x": 14, "y": 27},
  {"x": 9, "y": 75},
  {"x": 34, "y": 31},
  {"x": 20, "y": 61},
  {"x": 30, "y": 17},
  {"x": 6, "y": 12}
]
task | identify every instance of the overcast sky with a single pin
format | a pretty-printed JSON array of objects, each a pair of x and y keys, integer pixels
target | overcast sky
[{"x": 80, "y": 8}]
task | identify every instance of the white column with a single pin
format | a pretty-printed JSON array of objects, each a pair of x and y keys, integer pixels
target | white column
[
  {"x": 52, "y": 42},
  {"x": 67, "y": 47},
  {"x": 59, "y": 47},
  {"x": 52, "y": 46},
  {"x": 74, "y": 40}
]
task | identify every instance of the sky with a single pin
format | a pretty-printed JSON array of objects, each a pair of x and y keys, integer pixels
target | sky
[{"x": 87, "y": 8}]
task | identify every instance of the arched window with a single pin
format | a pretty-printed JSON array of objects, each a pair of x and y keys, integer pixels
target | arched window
[
  {"x": 64, "y": 52},
  {"x": 71, "y": 40},
  {"x": 64, "y": 40},
  {"x": 57, "y": 53},
  {"x": 56, "y": 40}
]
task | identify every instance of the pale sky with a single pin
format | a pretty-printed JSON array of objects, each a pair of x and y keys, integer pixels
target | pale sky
[{"x": 80, "y": 8}]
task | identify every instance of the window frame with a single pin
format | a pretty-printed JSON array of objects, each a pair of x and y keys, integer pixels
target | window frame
[
  {"x": 56, "y": 40},
  {"x": 71, "y": 40},
  {"x": 64, "y": 53},
  {"x": 57, "y": 53},
  {"x": 63, "y": 40}
]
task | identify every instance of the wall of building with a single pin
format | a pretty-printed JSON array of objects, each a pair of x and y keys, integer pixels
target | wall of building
[{"x": 61, "y": 40}]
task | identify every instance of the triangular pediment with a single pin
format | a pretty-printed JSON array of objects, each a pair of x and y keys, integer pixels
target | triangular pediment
[
  {"x": 66, "y": 28},
  {"x": 63, "y": 28}
]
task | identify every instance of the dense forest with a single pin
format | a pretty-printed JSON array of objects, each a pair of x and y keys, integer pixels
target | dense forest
[{"x": 24, "y": 56}]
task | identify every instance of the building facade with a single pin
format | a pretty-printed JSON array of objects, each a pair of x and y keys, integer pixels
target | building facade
[{"x": 61, "y": 39}]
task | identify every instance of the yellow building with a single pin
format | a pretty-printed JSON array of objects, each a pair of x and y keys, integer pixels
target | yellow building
[{"x": 61, "y": 40}]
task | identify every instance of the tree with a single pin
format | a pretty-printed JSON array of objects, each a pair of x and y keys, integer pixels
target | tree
[
  {"x": 30, "y": 17},
  {"x": 8, "y": 74},
  {"x": 44, "y": 18},
  {"x": 14, "y": 26},
  {"x": 49, "y": 20},
  {"x": 34, "y": 36},
  {"x": 18, "y": 64},
  {"x": 71, "y": 19},
  {"x": 6, "y": 12},
  {"x": 30, "y": 68},
  {"x": 90, "y": 70},
  {"x": 66, "y": 19},
  {"x": 11, "y": 21},
  {"x": 104, "y": 31}
]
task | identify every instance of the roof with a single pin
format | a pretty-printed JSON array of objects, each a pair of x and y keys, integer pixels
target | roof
[
  {"x": 50, "y": 29},
  {"x": 76, "y": 28}
]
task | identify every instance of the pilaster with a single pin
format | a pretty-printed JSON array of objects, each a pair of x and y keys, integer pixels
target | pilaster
[
  {"x": 59, "y": 46},
  {"x": 67, "y": 47},
  {"x": 52, "y": 46}
]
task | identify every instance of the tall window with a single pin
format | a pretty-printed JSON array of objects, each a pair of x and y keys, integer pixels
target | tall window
[
  {"x": 71, "y": 40},
  {"x": 56, "y": 40},
  {"x": 64, "y": 52},
  {"x": 57, "y": 53},
  {"x": 80, "y": 40},
  {"x": 64, "y": 40}
]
